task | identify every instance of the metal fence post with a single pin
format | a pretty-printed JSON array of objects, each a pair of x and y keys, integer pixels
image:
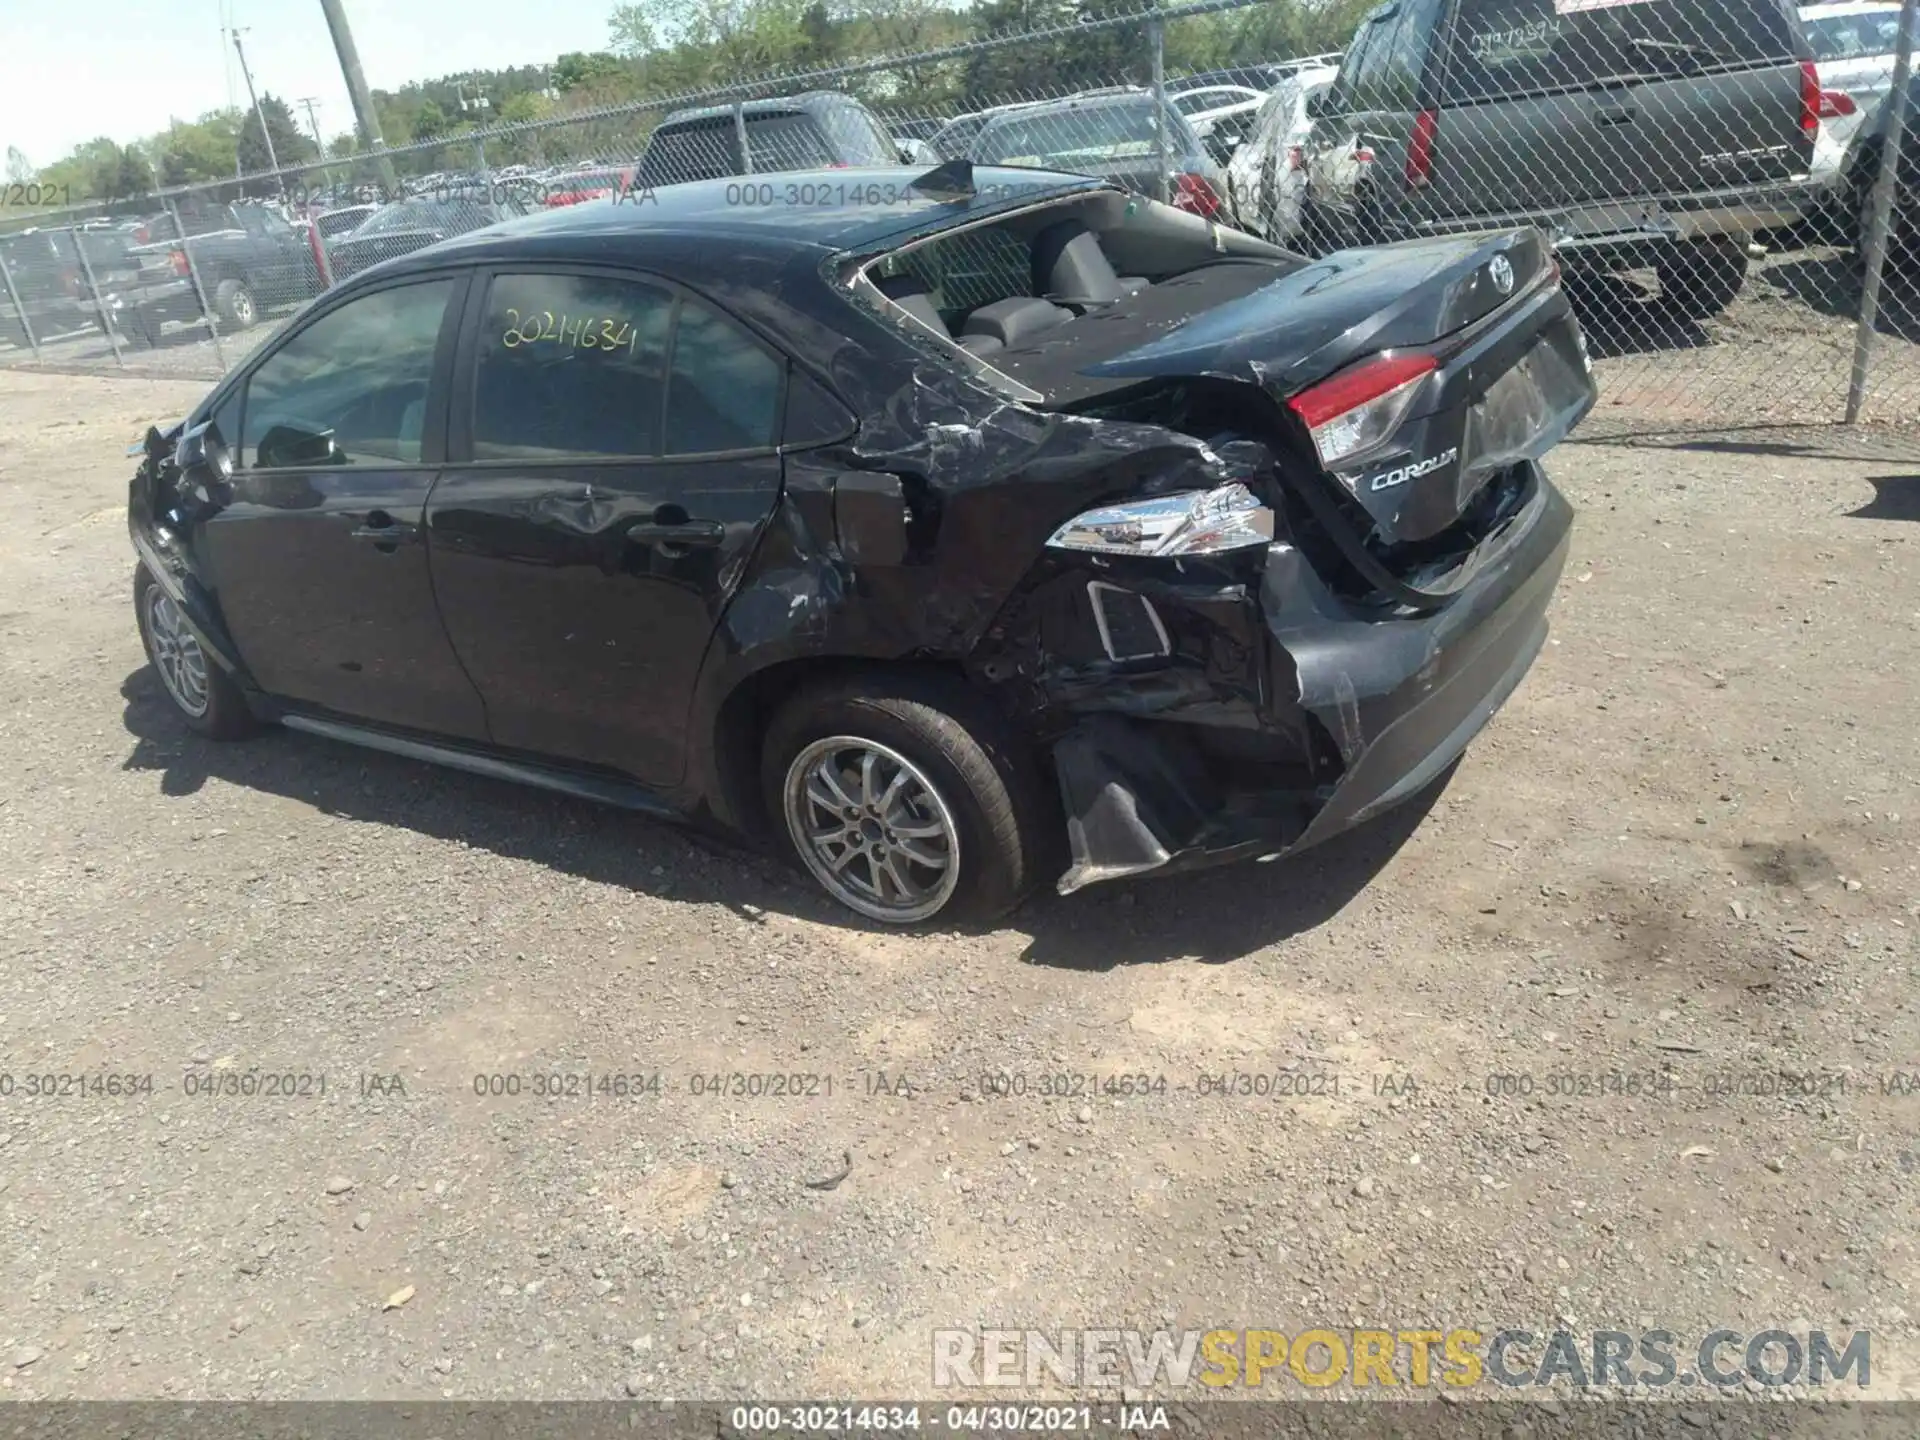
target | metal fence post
[
  {"x": 1873, "y": 244},
  {"x": 199, "y": 290},
  {"x": 740, "y": 134},
  {"x": 99, "y": 300},
  {"x": 1157, "y": 49},
  {"x": 26, "y": 325}
]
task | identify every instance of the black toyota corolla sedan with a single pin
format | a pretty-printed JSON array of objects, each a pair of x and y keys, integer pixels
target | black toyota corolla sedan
[{"x": 952, "y": 531}]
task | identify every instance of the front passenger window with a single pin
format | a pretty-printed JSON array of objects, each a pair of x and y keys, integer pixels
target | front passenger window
[{"x": 351, "y": 388}]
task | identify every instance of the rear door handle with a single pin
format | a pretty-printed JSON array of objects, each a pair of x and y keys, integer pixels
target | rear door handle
[
  {"x": 684, "y": 534},
  {"x": 1624, "y": 115}
]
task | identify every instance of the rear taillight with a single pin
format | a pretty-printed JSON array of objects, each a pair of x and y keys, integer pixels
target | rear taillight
[
  {"x": 1194, "y": 193},
  {"x": 1296, "y": 158},
  {"x": 1810, "y": 99},
  {"x": 180, "y": 265},
  {"x": 1358, "y": 408},
  {"x": 141, "y": 236},
  {"x": 1835, "y": 103},
  {"x": 1420, "y": 148}
]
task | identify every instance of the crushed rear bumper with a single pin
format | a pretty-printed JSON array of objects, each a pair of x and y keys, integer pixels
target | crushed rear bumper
[{"x": 1395, "y": 700}]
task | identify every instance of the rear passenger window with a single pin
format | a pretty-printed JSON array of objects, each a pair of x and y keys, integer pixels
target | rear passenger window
[
  {"x": 725, "y": 390},
  {"x": 589, "y": 367},
  {"x": 571, "y": 365},
  {"x": 1503, "y": 48}
]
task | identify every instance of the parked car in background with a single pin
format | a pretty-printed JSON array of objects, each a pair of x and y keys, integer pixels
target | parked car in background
[
  {"x": 1120, "y": 135},
  {"x": 582, "y": 185},
  {"x": 252, "y": 258},
  {"x": 338, "y": 224},
  {"x": 951, "y": 140},
  {"x": 1267, "y": 176},
  {"x": 1214, "y": 554},
  {"x": 1862, "y": 170},
  {"x": 1853, "y": 45},
  {"x": 55, "y": 297},
  {"x": 794, "y": 132},
  {"x": 414, "y": 224},
  {"x": 1221, "y": 115},
  {"x": 1662, "y": 132}
]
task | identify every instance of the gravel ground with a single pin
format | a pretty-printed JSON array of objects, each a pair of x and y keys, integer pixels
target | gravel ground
[{"x": 1687, "y": 843}]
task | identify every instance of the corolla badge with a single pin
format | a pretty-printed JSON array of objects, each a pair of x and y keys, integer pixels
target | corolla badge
[
  {"x": 1388, "y": 479},
  {"x": 1500, "y": 271}
]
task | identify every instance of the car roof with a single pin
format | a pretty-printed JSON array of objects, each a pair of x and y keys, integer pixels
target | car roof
[
  {"x": 1087, "y": 100},
  {"x": 885, "y": 207},
  {"x": 808, "y": 102}
]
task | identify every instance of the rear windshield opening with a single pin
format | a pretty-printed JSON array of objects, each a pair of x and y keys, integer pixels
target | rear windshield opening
[{"x": 1010, "y": 301}]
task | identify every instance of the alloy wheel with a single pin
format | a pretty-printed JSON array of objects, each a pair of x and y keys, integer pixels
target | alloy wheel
[
  {"x": 872, "y": 829},
  {"x": 176, "y": 654}
]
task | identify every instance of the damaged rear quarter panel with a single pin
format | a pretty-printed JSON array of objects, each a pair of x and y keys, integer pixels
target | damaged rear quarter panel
[{"x": 986, "y": 481}]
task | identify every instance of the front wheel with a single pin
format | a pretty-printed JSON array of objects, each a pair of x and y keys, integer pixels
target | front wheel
[
  {"x": 906, "y": 798},
  {"x": 201, "y": 693}
]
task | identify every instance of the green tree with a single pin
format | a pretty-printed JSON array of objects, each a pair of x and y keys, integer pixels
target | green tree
[
  {"x": 291, "y": 145},
  {"x": 19, "y": 169},
  {"x": 1015, "y": 72},
  {"x": 578, "y": 70},
  {"x": 205, "y": 149}
]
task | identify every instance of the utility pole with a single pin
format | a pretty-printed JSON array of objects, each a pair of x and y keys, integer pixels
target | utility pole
[
  {"x": 478, "y": 105},
  {"x": 273, "y": 160},
  {"x": 307, "y": 102},
  {"x": 363, "y": 111}
]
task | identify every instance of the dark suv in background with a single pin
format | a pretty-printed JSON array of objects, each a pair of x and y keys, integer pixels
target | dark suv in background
[
  {"x": 821, "y": 129},
  {"x": 1659, "y": 132}
]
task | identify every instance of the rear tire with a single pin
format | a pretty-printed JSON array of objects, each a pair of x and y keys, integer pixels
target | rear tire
[
  {"x": 236, "y": 305},
  {"x": 1700, "y": 278},
  {"x": 198, "y": 690},
  {"x": 907, "y": 798}
]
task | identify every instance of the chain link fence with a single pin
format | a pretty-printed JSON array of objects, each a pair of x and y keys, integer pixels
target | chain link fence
[{"x": 1737, "y": 223}]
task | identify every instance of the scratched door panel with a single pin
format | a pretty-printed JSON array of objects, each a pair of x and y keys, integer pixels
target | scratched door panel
[{"x": 580, "y": 563}]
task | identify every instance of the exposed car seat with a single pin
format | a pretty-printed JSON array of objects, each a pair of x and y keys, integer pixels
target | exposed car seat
[
  {"x": 1013, "y": 321},
  {"x": 1070, "y": 268},
  {"x": 911, "y": 294}
]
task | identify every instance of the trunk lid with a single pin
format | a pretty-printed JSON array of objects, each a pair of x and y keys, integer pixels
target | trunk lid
[
  {"x": 1509, "y": 376},
  {"x": 1317, "y": 318}
]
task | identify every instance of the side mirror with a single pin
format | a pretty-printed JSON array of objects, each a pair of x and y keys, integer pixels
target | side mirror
[
  {"x": 1317, "y": 105},
  {"x": 291, "y": 447},
  {"x": 918, "y": 152},
  {"x": 204, "y": 464}
]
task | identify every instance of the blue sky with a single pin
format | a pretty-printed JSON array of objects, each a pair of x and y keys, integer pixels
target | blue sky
[{"x": 124, "y": 67}]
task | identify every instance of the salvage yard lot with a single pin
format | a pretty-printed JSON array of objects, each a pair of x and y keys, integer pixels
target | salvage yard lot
[{"x": 1687, "y": 844}]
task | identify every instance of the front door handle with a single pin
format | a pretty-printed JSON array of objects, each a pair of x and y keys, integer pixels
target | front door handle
[
  {"x": 681, "y": 535},
  {"x": 384, "y": 531},
  {"x": 1625, "y": 115}
]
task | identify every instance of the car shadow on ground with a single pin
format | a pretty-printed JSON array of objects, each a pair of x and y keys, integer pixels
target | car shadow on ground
[
  {"x": 1622, "y": 317},
  {"x": 1218, "y": 915},
  {"x": 1895, "y": 497},
  {"x": 1831, "y": 285},
  {"x": 1215, "y": 915}
]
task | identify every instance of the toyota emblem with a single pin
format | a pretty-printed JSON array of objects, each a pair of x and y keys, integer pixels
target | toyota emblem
[{"x": 1500, "y": 271}]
